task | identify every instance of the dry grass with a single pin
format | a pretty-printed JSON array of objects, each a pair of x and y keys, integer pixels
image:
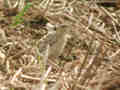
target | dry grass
[{"x": 60, "y": 45}]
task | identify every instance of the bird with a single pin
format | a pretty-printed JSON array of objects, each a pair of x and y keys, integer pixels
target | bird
[
  {"x": 62, "y": 36},
  {"x": 56, "y": 40}
]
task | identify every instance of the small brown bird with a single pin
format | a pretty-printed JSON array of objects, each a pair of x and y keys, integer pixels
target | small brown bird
[
  {"x": 61, "y": 37},
  {"x": 56, "y": 40}
]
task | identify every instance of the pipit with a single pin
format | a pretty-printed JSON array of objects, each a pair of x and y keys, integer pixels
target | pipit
[{"x": 56, "y": 41}]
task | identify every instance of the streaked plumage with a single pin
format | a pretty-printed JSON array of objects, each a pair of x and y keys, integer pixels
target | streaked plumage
[{"x": 56, "y": 40}]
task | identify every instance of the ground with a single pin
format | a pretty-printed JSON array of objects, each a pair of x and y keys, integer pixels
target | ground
[{"x": 64, "y": 45}]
